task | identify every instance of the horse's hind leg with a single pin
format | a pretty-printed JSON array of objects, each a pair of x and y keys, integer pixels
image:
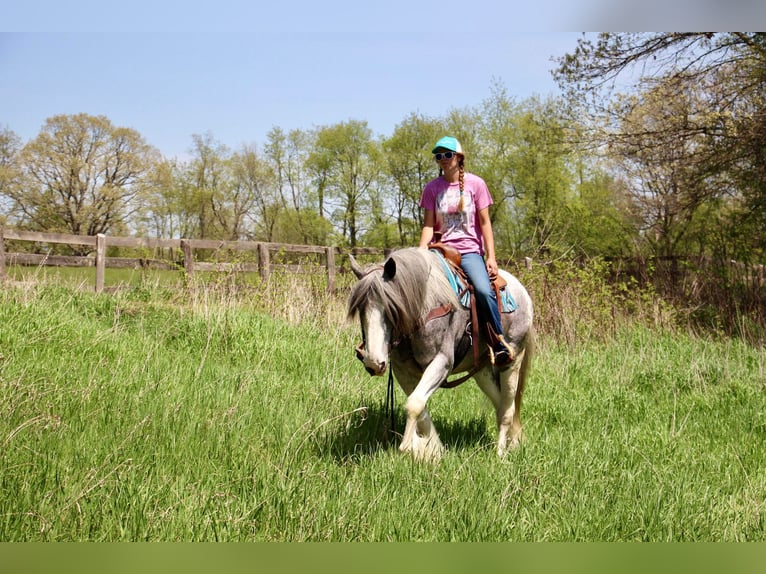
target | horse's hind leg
[
  {"x": 508, "y": 410},
  {"x": 504, "y": 388}
]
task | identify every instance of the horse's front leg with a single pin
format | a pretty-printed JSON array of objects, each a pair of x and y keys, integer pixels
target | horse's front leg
[{"x": 420, "y": 437}]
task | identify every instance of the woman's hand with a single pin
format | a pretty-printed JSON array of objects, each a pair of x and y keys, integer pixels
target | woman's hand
[{"x": 491, "y": 267}]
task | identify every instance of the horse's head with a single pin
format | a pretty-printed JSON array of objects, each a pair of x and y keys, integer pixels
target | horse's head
[
  {"x": 391, "y": 301},
  {"x": 368, "y": 301}
]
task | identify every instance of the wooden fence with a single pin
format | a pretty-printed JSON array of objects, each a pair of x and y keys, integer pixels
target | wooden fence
[{"x": 325, "y": 256}]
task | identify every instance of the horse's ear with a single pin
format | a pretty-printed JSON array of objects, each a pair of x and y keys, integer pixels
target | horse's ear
[
  {"x": 389, "y": 269},
  {"x": 355, "y": 267}
]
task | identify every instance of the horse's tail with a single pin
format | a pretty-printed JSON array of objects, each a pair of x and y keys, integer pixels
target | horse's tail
[{"x": 526, "y": 366}]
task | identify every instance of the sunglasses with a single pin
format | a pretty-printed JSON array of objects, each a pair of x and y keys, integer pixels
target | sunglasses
[{"x": 445, "y": 155}]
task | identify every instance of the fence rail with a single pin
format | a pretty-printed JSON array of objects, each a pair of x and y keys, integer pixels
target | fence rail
[
  {"x": 676, "y": 276},
  {"x": 263, "y": 250}
]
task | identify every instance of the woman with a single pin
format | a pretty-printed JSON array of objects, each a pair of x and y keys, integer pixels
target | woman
[{"x": 457, "y": 207}]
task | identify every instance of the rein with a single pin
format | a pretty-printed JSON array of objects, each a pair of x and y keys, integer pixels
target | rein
[{"x": 389, "y": 406}]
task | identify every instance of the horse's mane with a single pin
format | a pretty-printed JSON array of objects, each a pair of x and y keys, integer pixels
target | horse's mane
[{"x": 418, "y": 285}]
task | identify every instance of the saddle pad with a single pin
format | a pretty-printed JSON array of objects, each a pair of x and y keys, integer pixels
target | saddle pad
[
  {"x": 507, "y": 303},
  {"x": 455, "y": 281}
]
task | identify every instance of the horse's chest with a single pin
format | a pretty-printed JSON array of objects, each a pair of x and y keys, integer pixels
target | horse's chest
[{"x": 414, "y": 353}]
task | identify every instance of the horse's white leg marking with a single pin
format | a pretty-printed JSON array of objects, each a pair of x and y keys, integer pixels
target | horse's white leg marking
[
  {"x": 426, "y": 443},
  {"x": 486, "y": 383},
  {"x": 508, "y": 416},
  {"x": 505, "y": 401}
]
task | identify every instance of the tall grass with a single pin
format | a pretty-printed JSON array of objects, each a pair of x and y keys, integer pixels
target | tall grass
[{"x": 230, "y": 412}]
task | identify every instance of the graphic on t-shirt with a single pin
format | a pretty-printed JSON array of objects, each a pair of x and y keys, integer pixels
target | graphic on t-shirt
[{"x": 449, "y": 219}]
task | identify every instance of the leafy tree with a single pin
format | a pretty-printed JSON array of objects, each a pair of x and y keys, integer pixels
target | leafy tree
[
  {"x": 347, "y": 161},
  {"x": 207, "y": 184},
  {"x": 311, "y": 229},
  {"x": 410, "y": 165},
  {"x": 251, "y": 185},
  {"x": 601, "y": 213},
  {"x": 288, "y": 154},
  {"x": 10, "y": 169},
  {"x": 665, "y": 154},
  {"x": 161, "y": 212},
  {"x": 541, "y": 180},
  {"x": 496, "y": 151},
  {"x": 727, "y": 72},
  {"x": 465, "y": 125},
  {"x": 81, "y": 175}
]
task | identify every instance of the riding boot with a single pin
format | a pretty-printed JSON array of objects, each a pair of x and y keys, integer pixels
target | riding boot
[{"x": 500, "y": 352}]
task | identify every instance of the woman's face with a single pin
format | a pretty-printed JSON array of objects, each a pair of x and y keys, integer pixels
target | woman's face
[{"x": 446, "y": 159}]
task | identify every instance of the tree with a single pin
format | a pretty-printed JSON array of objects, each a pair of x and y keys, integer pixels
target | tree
[
  {"x": 81, "y": 174},
  {"x": 287, "y": 154},
  {"x": 727, "y": 72},
  {"x": 665, "y": 154},
  {"x": 594, "y": 69},
  {"x": 524, "y": 161},
  {"x": 10, "y": 168},
  {"x": 207, "y": 184},
  {"x": 251, "y": 186},
  {"x": 161, "y": 213},
  {"x": 410, "y": 165},
  {"x": 603, "y": 222},
  {"x": 347, "y": 161}
]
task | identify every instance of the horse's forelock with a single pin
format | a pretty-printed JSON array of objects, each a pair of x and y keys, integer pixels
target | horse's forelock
[{"x": 362, "y": 292}]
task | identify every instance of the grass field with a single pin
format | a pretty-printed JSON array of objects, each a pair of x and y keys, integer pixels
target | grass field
[{"x": 173, "y": 415}]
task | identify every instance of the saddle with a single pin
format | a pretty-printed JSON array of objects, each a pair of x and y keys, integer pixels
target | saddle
[{"x": 453, "y": 258}]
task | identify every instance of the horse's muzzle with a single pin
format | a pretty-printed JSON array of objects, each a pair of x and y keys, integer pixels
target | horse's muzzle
[{"x": 376, "y": 369}]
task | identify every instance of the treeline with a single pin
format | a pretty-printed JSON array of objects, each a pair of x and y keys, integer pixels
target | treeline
[{"x": 673, "y": 165}]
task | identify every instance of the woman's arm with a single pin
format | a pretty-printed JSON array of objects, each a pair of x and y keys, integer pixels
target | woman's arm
[
  {"x": 427, "y": 233},
  {"x": 485, "y": 223}
]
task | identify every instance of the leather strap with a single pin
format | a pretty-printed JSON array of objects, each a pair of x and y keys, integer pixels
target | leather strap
[{"x": 441, "y": 311}]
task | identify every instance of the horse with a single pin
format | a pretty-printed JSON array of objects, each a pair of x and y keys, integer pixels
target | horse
[{"x": 412, "y": 320}]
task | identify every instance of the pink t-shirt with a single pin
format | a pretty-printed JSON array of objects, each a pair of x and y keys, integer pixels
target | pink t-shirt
[{"x": 459, "y": 229}]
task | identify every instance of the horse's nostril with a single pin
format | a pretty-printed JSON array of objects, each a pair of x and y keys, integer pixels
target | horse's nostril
[{"x": 376, "y": 369}]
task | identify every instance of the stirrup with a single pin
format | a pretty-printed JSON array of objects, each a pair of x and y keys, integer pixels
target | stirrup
[{"x": 501, "y": 358}]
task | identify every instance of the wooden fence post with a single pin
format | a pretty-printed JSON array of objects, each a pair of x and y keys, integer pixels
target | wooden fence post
[
  {"x": 100, "y": 261},
  {"x": 2, "y": 253},
  {"x": 330, "y": 253},
  {"x": 188, "y": 257},
  {"x": 263, "y": 261}
]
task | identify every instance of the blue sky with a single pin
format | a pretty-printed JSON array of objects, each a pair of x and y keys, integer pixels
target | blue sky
[
  {"x": 235, "y": 69},
  {"x": 241, "y": 68},
  {"x": 238, "y": 85}
]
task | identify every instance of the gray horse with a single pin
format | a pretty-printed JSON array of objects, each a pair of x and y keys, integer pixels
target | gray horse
[{"x": 411, "y": 316}]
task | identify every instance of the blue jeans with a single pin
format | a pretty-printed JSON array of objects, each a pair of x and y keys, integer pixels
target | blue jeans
[{"x": 474, "y": 266}]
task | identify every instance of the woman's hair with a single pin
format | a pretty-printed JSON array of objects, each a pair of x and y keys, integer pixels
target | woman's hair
[{"x": 461, "y": 178}]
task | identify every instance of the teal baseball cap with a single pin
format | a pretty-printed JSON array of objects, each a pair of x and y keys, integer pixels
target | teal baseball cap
[{"x": 448, "y": 143}]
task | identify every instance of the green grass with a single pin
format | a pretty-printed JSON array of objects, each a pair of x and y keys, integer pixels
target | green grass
[{"x": 193, "y": 417}]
